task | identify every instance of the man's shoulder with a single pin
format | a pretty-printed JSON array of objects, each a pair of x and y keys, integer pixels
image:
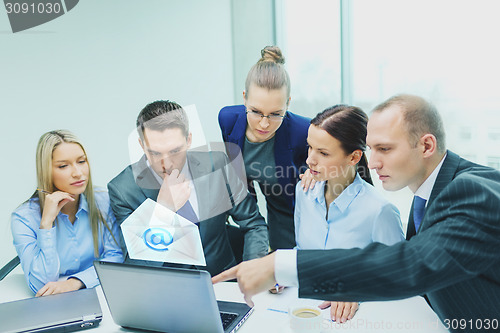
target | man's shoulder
[
  {"x": 137, "y": 174},
  {"x": 471, "y": 180},
  {"x": 477, "y": 176},
  {"x": 474, "y": 191},
  {"x": 125, "y": 176},
  {"x": 470, "y": 171}
]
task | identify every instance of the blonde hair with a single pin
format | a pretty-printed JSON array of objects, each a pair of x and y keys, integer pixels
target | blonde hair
[
  {"x": 46, "y": 145},
  {"x": 269, "y": 72}
]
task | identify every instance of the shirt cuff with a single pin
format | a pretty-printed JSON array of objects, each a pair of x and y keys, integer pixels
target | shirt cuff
[
  {"x": 88, "y": 277},
  {"x": 285, "y": 268}
]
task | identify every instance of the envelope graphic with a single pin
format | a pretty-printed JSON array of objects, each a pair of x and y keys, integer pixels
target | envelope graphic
[{"x": 154, "y": 232}]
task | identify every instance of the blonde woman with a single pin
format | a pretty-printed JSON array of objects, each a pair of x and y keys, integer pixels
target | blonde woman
[
  {"x": 272, "y": 141},
  {"x": 65, "y": 225}
]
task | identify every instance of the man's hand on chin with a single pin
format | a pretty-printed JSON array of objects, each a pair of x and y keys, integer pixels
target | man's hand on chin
[
  {"x": 254, "y": 276},
  {"x": 175, "y": 191}
]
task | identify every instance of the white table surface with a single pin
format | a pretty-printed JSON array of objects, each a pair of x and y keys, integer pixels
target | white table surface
[{"x": 408, "y": 315}]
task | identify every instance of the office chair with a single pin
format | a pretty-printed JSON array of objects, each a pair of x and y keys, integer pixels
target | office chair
[{"x": 9, "y": 267}]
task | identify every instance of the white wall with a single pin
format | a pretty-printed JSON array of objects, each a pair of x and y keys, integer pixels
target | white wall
[
  {"x": 253, "y": 29},
  {"x": 93, "y": 69}
]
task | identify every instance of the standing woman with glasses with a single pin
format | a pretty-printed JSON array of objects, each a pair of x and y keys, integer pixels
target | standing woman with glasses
[
  {"x": 272, "y": 141},
  {"x": 65, "y": 225}
]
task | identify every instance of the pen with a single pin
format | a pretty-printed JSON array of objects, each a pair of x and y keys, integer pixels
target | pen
[
  {"x": 277, "y": 286},
  {"x": 277, "y": 310},
  {"x": 43, "y": 191}
]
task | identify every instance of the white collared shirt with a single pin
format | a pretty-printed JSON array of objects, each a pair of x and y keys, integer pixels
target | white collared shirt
[
  {"x": 193, "y": 200},
  {"x": 425, "y": 190}
]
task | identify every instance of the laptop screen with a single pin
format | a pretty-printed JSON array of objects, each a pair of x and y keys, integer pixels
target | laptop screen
[
  {"x": 65, "y": 312},
  {"x": 161, "y": 298}
]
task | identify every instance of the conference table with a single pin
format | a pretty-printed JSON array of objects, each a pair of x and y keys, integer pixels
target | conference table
[{"x": 407, "y": 315}]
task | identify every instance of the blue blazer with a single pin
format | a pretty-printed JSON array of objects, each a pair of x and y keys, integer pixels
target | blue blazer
[
  {"x": 290, "y": 145},
  {"x": 454, "y": 258}
]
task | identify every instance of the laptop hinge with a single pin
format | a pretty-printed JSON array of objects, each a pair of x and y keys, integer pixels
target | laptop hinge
[{"x": 89, "y": 317}]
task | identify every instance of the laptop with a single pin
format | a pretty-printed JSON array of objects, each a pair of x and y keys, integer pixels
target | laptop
[
  {"x": 64, "y": 312},
  {"x": 167, "y": 299}
]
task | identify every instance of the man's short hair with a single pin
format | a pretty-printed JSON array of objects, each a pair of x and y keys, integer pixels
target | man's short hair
[
  {"x": 420, "y": 117},
  {"x": 162, "y": 115}
]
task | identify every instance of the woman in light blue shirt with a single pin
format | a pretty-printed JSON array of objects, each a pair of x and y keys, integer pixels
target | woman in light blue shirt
[
  {"x": 65, "y": 225},
  {"x": 343, "y": 210}
]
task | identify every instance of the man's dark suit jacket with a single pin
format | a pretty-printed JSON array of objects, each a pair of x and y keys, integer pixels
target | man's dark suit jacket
[
  {"x": 212, "y": 181},
  {"x": 454, "y": 258}
]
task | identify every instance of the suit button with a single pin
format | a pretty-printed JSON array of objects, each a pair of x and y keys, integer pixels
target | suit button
[
  {"x": 340, "y": 286},
  {"x": 315, "y": 291}
]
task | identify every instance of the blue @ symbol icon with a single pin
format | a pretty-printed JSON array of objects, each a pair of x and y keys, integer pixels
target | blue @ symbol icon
[{"x": 157, "y": 239}]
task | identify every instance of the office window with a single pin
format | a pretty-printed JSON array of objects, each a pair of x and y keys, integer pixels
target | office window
[
  {"x": 465, "y": 133},
  {"x": 309, "y": 34},
  {"x": 494, "y": 162},
  {"x": 494, "y": 134},
  {"x": 444, "y": 51}
]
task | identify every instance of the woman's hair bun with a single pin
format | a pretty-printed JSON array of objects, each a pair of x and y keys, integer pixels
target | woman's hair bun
[{"x": 272, "y": 53}]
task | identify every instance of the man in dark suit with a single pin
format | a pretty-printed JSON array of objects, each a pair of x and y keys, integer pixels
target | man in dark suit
[
  {"x": 199, "y": 185},
  {"x": 453, "y": 257}
]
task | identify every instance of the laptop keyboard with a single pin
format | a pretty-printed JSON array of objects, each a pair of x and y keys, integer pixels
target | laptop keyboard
[{"x": 227, "y": 319}]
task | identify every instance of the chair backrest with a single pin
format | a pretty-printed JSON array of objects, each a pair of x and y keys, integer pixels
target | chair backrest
[{"x": 9, "y": 267}]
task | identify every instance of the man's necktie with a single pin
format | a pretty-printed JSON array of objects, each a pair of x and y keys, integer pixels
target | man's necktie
[
  {"x": 188, "y": 213},
  {"x": 418, "y": 211}
]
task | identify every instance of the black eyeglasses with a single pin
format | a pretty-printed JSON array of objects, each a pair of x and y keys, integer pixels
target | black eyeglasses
[{"x": 256, "y": 115}]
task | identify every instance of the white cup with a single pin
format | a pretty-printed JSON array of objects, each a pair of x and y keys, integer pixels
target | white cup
[{"x": 305, "y": 319}]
